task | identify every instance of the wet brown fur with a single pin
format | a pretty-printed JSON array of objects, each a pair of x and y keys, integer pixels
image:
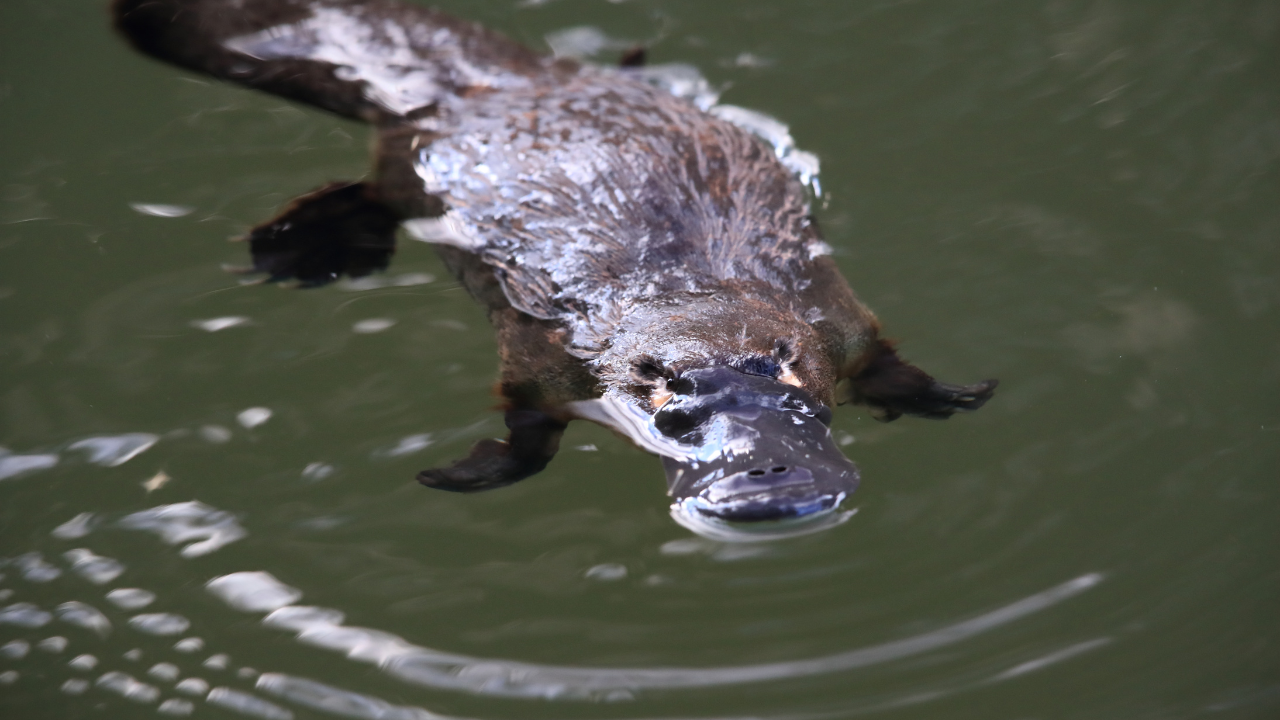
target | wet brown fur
[{"x": 704, "y": 253}]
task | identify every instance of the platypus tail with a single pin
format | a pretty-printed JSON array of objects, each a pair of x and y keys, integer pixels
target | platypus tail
[{"x": 372, "y": 60}]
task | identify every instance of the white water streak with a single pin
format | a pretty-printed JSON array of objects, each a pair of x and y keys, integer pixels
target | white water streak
[{"x": 322, "y": 627}]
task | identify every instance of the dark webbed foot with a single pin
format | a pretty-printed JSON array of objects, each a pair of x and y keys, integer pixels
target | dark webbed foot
[
  {"x": 534, "y": 440},
  {"x": 892, "y": 388},
  {"x": 339, "y": 229}
]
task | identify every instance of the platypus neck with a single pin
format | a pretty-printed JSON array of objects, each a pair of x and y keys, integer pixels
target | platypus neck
[{"x": 727, "y": 329}]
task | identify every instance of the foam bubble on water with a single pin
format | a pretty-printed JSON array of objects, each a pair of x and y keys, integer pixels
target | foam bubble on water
[
  {"x": 750, "y": 60},
  {"x": 182, "y": 522},
  {"x": 582, "y": 41},
  {"x": 336, "y": 701},
  {"x": 606, "y": 572},
  {"x": 253, "y": 417},
  {"x": 253, "y": 591},
  {"x": 189, "y": 645},
  {"x": 215, "y": 434},
  {"x": 176, "y": 706},
  {"x": 160, "y": 623},
  {"x": 11, "y": 466},
  {"x": 75, "y": 686},
  {"x": 411, "y": 279},
  {"x": 8, "y": 677},
  {"x": 162, "y": 210},
  {"x": 85, "y": 616},
  {"x": 317, "y": 471},
  {"x": 168, "y": 672},
  {"x": 247, "y": 704},
  {"x": 83, "y": 662},
  {"x": 15, "y": 649},
  {"x": 131, "y": 598},
  {"x": 34, "y": 568},
  {"x": 447, "y": 229},
  {"x": 133, "y": 655},
  {"x": 682, "y": 80},
  {"x": 375, "y": 282},
  {"x": 126, "y": 686},
  {"x": 24, "y": 614},
  {"x": 114, "y": 450},
  {"x": 220, "y": 323},
  {"x": 96, "y": 569},
  {"x": 408, "y": 445},
  {"x": 370, "y": 326},
  {"x": 75, "y": 528},
  {"x": 247, "y": 673},
  {"x": 54, "y": 644},
  {"x": 217, "y": 662},
  {"x": 193, "y": 686}
]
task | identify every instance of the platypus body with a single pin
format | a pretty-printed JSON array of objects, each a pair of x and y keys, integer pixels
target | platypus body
[{"x": 646, "y": 264}]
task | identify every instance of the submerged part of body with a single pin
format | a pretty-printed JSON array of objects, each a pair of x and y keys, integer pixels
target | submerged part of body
[{"x": 647, "y": 260}]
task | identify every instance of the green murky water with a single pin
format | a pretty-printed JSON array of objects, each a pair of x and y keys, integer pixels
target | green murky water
[{"x": 1080, "y": 198}]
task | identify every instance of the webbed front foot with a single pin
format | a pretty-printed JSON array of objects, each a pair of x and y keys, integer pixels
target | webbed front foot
[
  {"x": 534, "y": 440},
  {"x": 339, "y": 229},
  {"x": 892, "y": 387}
]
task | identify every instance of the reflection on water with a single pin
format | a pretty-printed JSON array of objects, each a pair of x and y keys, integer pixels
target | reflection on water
[
  {"x": 180, "y": 523},
  {"x": 323, "y": 627},
  {"x": 260, "y": 592},
  {"x": 94, "y": 568},
  {"x": 688, "y": 516},
  {"x": 117, "y": 450},
  {"x": 14, "y": 465},
  {"x": 108, "y": 451}
]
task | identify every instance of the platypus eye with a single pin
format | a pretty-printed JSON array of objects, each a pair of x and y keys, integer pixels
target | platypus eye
[
  {"x": 648, "y": 370},
  {"x": 682, "y": 386}
]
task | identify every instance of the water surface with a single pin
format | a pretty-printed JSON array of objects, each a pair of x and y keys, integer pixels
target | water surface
[{"x": 1078, "y": 198}]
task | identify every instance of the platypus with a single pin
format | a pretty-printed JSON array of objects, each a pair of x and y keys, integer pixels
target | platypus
[{"x": 648, "y": 261}]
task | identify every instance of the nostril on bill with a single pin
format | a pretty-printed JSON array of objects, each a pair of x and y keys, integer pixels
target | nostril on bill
[{"x": 779, "y": 469}]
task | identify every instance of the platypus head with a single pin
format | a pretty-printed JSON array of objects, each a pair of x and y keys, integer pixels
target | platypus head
[
  {"x": 733, "y": 393},
  {"x": 757, "y": 449}
]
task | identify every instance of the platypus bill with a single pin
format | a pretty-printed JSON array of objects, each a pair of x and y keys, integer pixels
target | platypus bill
[{"x": 647, "y": 260}]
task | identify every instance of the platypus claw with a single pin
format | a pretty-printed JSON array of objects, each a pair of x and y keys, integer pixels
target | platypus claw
[
  {"x": 490, "y": 465},
  {"x": 534, "y": 440},
  {"x": 891, "y": 387},
  {"x": 339, "y": 229}
]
